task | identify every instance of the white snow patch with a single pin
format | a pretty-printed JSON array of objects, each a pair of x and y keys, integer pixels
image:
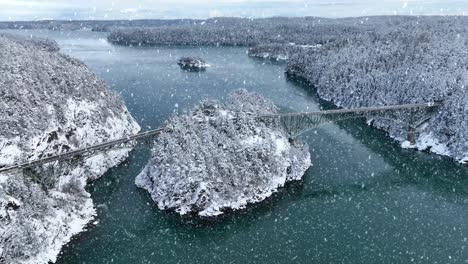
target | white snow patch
[
  {"x": 426, "y": 141},
  {"x": 250, "y": 141},
  {"x": 282, "y": 57},
  {"x": 407, "y": 145},
  {"x": 281, "y": 144},
  {"x": 3, "y": 178},
  {"x": 76, "y": 107},
  {"x": 14, "y": 201},
  {"x": 71, "y": 223},
  {"x": 9, "y": 151},
  {"x": 308, "y": 46},
  {"x": 100, "y": 162}
]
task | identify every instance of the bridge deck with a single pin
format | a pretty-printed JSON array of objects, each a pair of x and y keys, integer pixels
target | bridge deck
[
  {"x": 360, "y": 110},
  {"x": 83, "y": 150}
]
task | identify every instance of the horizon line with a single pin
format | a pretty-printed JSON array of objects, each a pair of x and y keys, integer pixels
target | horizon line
[{"x": 241, "y": 17}]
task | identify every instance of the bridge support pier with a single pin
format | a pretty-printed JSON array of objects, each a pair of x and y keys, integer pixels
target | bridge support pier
[{"x": 411, "y": 135}]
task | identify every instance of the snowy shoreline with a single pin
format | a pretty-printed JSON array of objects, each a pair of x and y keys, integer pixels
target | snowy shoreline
[
  {"x": 62, "y": 224},
  {"x": 73, "y": 223},
  {"x": 426, "y": 141}
]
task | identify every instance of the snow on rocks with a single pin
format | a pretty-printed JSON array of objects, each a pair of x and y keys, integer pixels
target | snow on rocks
[
  {"x": 51, "y": 103},
  {"x": 210, "y": 161}
]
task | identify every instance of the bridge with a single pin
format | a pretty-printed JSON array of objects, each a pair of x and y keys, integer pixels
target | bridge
[{"x": 410, "y": 115}]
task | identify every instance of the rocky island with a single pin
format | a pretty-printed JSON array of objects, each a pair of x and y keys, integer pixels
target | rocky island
[
  {"x": 50, "y": 104},
  {"x": 193, "y": 64},
  {"x": 219, "y": 157}
]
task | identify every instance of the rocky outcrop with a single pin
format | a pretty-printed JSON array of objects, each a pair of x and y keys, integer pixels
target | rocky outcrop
[
  {"x": 50, "y": 103},
  {"x": 218, "y": 157}
]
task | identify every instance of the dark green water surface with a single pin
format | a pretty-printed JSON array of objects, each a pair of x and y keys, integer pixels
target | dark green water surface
[{"x": 365, "y": 200}]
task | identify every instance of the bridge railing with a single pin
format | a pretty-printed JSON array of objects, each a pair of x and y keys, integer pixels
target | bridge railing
[
  {"x": 84, "y": 150},
  {"x": 361, "y": 109},
  {"x": 411, "y": 115}
]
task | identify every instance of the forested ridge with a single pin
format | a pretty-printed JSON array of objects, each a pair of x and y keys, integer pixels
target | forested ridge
[
  {"x": 239, "y": 32},
  {"x": 420, "y": 61}
]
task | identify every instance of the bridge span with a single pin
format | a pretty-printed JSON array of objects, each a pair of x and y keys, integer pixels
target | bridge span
[{"x": 410, "y": 115}]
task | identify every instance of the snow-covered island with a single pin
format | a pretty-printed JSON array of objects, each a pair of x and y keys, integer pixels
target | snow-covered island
[
  {"x": 50, "y": 103},
  {"x": 193, "y": 64},
  {"x": 219, "y": 157}
]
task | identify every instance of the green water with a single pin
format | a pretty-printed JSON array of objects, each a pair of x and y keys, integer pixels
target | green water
[{"x": 365, "y": 200}]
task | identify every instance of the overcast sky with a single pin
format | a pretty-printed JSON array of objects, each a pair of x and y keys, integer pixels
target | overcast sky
[{"x": 140, "y": 9}]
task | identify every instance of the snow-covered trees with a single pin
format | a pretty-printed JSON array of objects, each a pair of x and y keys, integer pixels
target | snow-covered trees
[
  {"x": 218, "y": 156},
  {"x": 238, "y": 32},
  {"x": 421, "y": 60},
  {"x": 50, "y": 103},
  {"x": 95, "y": 25}
]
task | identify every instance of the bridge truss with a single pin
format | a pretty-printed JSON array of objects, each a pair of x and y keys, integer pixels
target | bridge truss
[
  {"x": 410, "y": 115},
  {"x": 121, "y": 143}
]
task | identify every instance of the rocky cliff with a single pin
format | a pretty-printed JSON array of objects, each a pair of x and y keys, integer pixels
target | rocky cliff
[{"x": 50, "y": 103}]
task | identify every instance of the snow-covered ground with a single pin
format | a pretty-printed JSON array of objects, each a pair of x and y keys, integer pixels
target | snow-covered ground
[{"x": 428, "y": 141}]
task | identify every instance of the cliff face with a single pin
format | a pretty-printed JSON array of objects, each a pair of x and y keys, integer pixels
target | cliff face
[
  {"x": 50, "y": 103},
  {"x": 219, "y": 157}
]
